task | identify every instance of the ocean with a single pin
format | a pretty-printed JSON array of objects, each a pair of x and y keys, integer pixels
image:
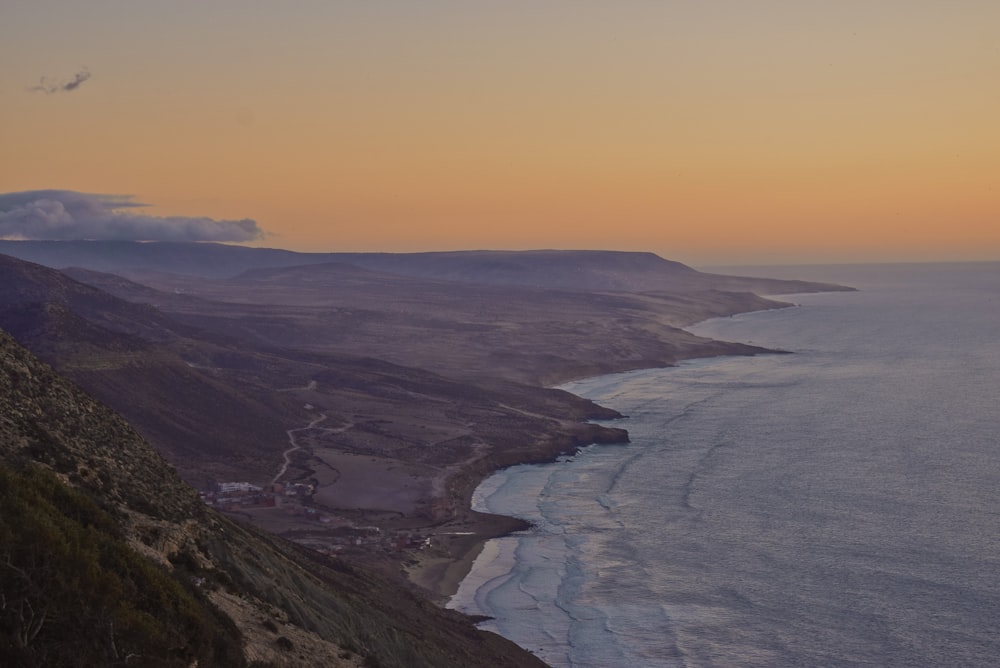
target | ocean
[{"x": 837, "y": 506}]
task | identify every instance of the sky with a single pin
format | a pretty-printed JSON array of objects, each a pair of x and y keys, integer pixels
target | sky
[{"x": 709, "y": 132}]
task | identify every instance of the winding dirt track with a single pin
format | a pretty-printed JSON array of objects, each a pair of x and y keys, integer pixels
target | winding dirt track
[{"x": 295, "y": 445}]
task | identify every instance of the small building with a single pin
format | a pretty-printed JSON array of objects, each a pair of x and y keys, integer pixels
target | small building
[{"x": 238, "y": 487}]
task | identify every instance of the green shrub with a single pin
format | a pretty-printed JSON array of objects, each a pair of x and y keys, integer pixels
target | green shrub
[{"x": 75, "y": 594}]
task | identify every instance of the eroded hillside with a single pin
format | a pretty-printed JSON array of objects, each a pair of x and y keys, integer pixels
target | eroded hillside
[{"x": 108, "y": 558}]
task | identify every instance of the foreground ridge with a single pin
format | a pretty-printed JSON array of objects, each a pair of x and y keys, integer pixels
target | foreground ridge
[{"x": 107, "y": 558}]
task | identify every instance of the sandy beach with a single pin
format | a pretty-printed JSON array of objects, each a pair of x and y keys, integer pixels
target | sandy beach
[
  {"x": 382, "y": 485},
  {"x": 411, "y": 497},
  {"x": 440, "y": 569}
]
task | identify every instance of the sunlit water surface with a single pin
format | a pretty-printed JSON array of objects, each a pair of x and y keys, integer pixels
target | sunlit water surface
[{"x": 839, "y": 506}]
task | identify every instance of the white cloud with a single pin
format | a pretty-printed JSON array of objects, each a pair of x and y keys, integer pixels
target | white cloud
[{"x": 66, "y": 214}]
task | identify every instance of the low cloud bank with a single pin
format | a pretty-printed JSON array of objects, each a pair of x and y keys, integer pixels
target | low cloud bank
[{"x": 63, "y": 215}]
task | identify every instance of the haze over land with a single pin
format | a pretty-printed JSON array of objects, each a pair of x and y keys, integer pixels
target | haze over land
[
  {"x": 711, "y": 133},
  {"x": 372, "y": 374},
  {"x": 110, "y": 559},
  {"x": 361, "y": 397}
]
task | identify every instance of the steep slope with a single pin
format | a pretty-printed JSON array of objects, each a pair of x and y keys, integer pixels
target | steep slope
[
  {"x": 74, "y": 593},
  {"x": 107, "y": 558},
  {"x": 221, "y": 407},
  {"x": 154, "y": 369},
  {"x": 229, "y": 412}
]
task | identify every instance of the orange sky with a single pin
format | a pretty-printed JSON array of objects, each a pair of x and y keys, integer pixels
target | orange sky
[{"x": 708, "y": 132}]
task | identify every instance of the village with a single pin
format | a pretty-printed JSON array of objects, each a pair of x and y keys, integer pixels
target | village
[{"x": 323, "y": 531}]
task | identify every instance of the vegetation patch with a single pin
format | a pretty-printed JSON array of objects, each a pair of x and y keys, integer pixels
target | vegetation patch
[{"x": 73, "y": 593}]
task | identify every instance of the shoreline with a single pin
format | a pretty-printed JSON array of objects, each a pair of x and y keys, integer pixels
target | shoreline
[
  {"x": 439, "y": 570},
  {"x": 439, "y": 575}
]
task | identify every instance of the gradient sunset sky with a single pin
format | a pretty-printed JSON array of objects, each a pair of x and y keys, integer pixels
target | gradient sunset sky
[{"x": 732, "y": 132}]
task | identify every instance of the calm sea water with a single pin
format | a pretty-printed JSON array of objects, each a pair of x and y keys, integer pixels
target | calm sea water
[{"x": 839, "y": 506}]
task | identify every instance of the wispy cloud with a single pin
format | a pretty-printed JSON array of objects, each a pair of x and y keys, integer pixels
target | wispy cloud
[
  {"x": 47, "y": 86},
  {"x": 66, "y": 214}
]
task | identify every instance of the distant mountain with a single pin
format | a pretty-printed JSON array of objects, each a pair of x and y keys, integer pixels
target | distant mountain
[
  {"x": 469, "y": 330},
  {"x": 107, "y": 558},
  {"x": 196, "y": 259},
  {"x": 210, "y": 383},
  {"x": 573, "y": 270},
  {"x": 554, "y": 269},
  {"x": 576, "y": 270},
  {"x": 149, "y": 366},
  {"x": 23, "y": 284}
]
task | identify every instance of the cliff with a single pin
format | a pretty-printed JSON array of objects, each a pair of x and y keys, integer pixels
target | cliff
[{"x": 108, "y": 558}]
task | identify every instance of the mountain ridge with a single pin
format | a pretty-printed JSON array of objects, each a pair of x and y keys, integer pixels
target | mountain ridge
[{"x": 573, "y": 270}]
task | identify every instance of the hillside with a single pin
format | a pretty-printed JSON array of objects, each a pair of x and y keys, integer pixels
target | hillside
[
  {"x": 472, "y": 331},
  {"x": 219, "y": 404},
  {"x": 147, "y": 365},
  {"x": 362, "y": 404},
  {"x": 109, "y": 559}
]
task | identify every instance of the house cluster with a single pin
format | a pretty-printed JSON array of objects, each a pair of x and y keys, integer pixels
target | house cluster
[
  {"x": 346, "y": 539},
  {"x": 236, "y": 495},
  {"x": 338, "y": 536}
]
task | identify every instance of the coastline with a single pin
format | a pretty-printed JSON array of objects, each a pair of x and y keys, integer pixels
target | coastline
[
  {"x": 441, "y": 573},
  {"x": 424, "y": 506},
  {"x": 439, "y": 570},
  {"x": 692, "y": 538}
]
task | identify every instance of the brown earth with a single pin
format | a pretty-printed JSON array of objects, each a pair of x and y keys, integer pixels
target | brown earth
[
  {"x": 424, "y": 386},
  {"x": 404, "y": 449}
]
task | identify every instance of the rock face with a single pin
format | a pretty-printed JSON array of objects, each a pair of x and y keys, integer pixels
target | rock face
[{"x": 108, "y": 558}]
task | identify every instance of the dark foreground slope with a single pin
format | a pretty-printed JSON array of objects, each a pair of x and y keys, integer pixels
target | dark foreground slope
[{"x": 107, "y": 558}]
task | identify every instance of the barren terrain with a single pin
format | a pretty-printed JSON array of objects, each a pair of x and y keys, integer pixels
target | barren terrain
[{"x": 377, "y": 400}]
